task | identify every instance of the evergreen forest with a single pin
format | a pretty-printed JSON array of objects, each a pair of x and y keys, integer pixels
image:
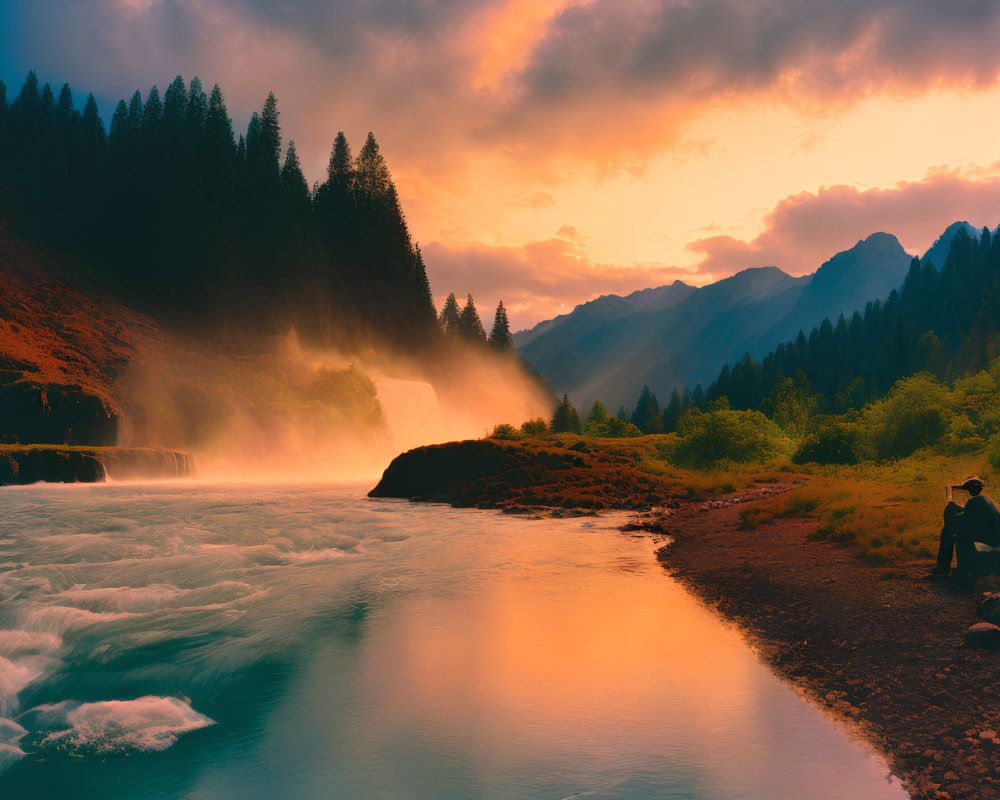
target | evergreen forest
[{"x": 175, "y": 213}]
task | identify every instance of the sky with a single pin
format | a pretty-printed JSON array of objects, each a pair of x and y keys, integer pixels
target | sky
[{"x": 547, "y": 152}]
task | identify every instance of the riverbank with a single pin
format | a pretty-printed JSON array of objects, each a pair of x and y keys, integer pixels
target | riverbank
[
  {"x": 822, "y": 568},
  {"x": 876, "y": 645},
  {"x": 24, "y": 464}
]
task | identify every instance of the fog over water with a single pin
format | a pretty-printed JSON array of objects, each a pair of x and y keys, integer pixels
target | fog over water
[{"x": 204, "y": 640}]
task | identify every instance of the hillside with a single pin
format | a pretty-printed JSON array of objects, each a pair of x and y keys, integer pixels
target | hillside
[
  {"x": 609, "y": 355},
  {"x": 609, "y": 348}
]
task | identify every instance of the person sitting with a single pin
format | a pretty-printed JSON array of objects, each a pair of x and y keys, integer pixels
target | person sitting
[{"x": 977, "y": 521}]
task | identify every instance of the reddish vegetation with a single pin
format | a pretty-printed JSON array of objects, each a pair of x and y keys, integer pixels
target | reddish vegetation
[
  {"x": 565, "y": 472},
  {"x": 876, "y": 646},
  {"x": 53, "y": 331}
]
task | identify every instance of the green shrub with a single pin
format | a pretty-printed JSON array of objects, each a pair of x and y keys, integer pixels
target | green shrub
[
  {"x": 916, "y": 412},
  {"x": 723, "y": 434},
  {"x": 505, "y": 431},
  {"x": 535, "y": 427},
  {"x": 832, "y": 443}
]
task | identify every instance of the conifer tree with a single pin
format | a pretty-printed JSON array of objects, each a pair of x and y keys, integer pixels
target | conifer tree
[
  {"x": 451, "y": 318},
  {"x": 646, "y": 416},
  {"x": 152, "y": 118},
  {"x": 598, "y": 420},
  {"x": 371, "y": 174},
  {"x": 93, "y": 125},
  {"x": 566, "y": 418},
  {"x": 470, "y": 327},
  {"x": 134, "y": 126},
  {"x": 270, "y": 132},
  {"x": 47, "y": 106},
  {"x": 621, "y": 415},
  {"x": 218, "y": 126},
  {"x": 3, "y": 97},
  {"x": 64, "y": 106},
  {"x": 341, "y": 169},
  {"x": 118, "y": 137},
  {"x": 197, "y": 108},
  {"x": 293, "y": 179},
  {"x": 500, "y": 338},
  {"x": 423, "y": 284},
  {"x": 175, "y": 108},
  {"x": 28, "y": 99}
]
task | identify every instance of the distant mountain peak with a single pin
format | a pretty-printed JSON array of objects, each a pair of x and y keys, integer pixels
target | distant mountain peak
[{"x": 938, "y": 252}]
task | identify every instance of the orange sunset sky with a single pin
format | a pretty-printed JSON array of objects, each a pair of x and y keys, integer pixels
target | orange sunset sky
[{"x": 548, "y": 152}]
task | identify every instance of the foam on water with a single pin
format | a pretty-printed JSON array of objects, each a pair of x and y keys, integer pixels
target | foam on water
[{"x": 146, "y": 723}]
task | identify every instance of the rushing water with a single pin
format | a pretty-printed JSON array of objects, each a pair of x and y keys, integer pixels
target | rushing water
[{"x": 196, "y": 641}]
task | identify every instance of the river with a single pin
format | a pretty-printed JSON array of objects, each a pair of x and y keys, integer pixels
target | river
[{"x": 188, "y": 640}]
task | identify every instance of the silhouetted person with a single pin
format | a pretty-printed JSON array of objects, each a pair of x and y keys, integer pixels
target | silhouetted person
[{"x": 977, "y": 521}]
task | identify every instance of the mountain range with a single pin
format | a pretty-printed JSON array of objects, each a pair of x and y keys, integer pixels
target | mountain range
[{"x": 677, "y": 336}]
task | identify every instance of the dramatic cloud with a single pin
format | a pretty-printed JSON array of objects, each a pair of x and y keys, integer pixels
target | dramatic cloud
[
  {"x": 537, "y": 280},
  {"x": 604, "y": 82},
  {"x": 806, "y": 229}
]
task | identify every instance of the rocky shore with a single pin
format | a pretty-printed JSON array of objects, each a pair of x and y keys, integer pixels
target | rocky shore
[
  {"x": 879, "y": 647},
  {"x": 24, "y": 464}
]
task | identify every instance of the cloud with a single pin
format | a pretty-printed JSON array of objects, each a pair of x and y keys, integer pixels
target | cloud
[
  {"x": 537, "y": 280},
  {"x": 602, "y": 83},
  {"x": 806, "y": 229}
]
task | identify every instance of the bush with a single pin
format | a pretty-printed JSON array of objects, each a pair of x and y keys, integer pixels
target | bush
[
  {"x": 993, "y": 451},
  {"x": 505, "y": 431},
  {"x": 535, "y": 427},
  {"x": 723, "y": 434},
  {"x": 833, "y": 443},
  {"x": 916, "y": 413}
]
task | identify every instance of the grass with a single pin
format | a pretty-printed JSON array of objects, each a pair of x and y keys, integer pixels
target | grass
[{"x": 887, "y": 513}]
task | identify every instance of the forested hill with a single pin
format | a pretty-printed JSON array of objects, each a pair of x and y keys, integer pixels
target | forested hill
[
  {"x": 943, "y": 321},
  {"x": 173, "y": 212}
]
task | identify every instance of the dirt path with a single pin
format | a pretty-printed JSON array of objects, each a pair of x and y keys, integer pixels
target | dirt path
[{"x": 877, "y": 646}]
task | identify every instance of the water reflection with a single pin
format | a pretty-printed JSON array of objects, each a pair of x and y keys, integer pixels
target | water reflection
[{"x": 344, "y": 648}]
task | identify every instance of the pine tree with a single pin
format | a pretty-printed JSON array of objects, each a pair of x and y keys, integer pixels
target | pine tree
[
  {"x": 118, "y": 137},
  {"x": 340, "y": 172},
  {"x": 47, "y": 106},
  {"x": 134, "y": 126},
  {"x": 566, "y": 418},
  {"x": 372, "y": 180},
  {"x": 598, "y": 420},
  {"x": 646, "y": 416},
  {"x": 28, "y": 99},
  {"x": 451, "y": 318},
  {"x": 3, "y": 97},
  {"x": 423, "y": 285},
  {"x": 500, "y": 338},
  {"x": 197, "y": 108},
  {"x": 152, "y": 118},
  {"x": 293, "y": 179},
  {"x": 470, "y": 327},
  {"x": 64, "y": 107},
  {"x": 93, "y": 125},
  {"x": 175, "y": 109},
  {"x": 270, "y": 132}
]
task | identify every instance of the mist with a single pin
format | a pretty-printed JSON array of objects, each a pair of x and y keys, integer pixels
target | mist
[{"x": 289, "y": 412}]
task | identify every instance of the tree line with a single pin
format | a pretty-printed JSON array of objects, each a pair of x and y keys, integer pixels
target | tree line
[
  {"x": 943, "y": 322},
  {"x": 466, "y": 326},
  {"x": 168, "y": 207}
]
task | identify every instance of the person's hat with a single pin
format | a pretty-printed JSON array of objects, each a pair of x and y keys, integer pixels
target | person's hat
[{"x": 973, "y": 482}]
